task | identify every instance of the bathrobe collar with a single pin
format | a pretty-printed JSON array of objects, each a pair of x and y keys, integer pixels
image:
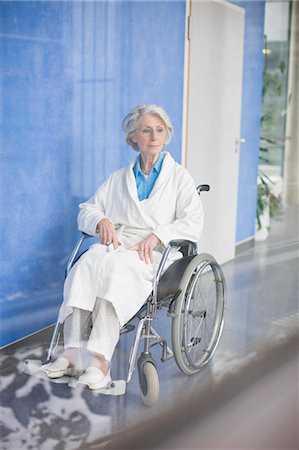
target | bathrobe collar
[{"x": 166, "y": 170}]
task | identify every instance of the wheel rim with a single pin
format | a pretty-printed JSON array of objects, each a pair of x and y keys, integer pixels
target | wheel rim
[{"x": 202, "y": 315}]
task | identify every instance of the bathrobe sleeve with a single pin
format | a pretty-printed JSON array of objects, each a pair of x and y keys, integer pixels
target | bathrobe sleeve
[
  {"x": 189, "y": 216},
  {"x": 92, "y": 211}
]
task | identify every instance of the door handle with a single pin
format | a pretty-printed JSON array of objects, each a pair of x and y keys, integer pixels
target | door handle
[{"x": 238, "y": 142}]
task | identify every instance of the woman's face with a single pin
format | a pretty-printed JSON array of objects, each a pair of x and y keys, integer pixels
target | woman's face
[{"x": 150, "y": 135}]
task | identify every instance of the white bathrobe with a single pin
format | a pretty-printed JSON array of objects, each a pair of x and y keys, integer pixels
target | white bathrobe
[{"x": 172, "y": 211}]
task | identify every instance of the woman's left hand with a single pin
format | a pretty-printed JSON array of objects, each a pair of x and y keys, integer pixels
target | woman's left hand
[{"x": 145, "y": 248}]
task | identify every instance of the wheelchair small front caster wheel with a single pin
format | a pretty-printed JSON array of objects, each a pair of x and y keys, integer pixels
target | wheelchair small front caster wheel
[{"x": 149, "y": 384}]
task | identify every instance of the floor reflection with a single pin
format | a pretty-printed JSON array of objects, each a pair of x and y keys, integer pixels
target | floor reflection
[{"x": 38, "y": 414}]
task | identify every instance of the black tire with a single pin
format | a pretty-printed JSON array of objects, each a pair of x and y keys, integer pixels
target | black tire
[{"x": 198, "y": 314}]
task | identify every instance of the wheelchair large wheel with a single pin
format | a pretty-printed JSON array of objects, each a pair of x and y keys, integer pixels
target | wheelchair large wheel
[
  {"x": 149, "y": 384},
  {"x": 198, "y": 314}
]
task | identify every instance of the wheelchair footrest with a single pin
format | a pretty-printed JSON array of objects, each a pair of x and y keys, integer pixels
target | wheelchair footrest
[
  {"x": 32, "y": 366},
  {"x": 115, "y": 387}
]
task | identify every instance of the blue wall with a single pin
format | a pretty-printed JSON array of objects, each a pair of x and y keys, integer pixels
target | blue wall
[
  {"x": 251, "y": 114},
  {"x": 70, "y": 71}
]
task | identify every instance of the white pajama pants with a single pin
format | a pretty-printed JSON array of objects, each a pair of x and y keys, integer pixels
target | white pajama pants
[{"x": 97, "y": 331}]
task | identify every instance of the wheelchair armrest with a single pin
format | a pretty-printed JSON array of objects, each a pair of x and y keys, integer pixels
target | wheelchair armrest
[{"x": 187, "y": 247}]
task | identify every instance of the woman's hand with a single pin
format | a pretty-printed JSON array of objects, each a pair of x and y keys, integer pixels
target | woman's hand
[
  {"x": 145, "y": 248},
  {"x": 107, "y": 233}
]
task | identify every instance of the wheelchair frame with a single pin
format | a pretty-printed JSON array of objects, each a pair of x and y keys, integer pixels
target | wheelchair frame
[{"x": 178, "y": 303}]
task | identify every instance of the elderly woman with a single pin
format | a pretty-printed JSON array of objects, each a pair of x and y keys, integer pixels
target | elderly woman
[{"x": 135, "y": 213}]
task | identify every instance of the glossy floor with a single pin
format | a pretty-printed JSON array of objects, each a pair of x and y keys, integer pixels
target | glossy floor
[{"x": 262, "y": 308}]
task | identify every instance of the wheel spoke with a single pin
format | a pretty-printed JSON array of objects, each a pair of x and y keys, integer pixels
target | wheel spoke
[{"x": 199, "y": 325}]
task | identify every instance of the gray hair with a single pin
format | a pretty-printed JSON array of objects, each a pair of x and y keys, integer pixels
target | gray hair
[{"x": 130, "y": 122}]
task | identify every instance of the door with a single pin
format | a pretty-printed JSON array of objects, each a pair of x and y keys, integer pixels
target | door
[{"x": 213, "y": 118}]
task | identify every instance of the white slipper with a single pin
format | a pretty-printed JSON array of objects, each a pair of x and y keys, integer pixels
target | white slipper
[
  {"x": 94, "y": 378},
  {"x": 58, "y": 368}
]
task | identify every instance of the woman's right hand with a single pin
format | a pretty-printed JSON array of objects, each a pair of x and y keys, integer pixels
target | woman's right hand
[{"x": 107, "y": 233}]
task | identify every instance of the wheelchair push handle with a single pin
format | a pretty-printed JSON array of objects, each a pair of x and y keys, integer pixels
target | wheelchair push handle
[{"x": 203, "y": 188}]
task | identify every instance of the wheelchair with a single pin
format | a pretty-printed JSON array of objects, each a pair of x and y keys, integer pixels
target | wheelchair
[{"x": 193, "y": 291}]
